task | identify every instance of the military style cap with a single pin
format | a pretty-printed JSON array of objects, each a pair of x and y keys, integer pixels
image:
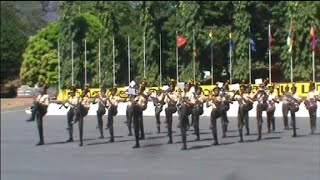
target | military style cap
[{"x": 173, "y": 82}]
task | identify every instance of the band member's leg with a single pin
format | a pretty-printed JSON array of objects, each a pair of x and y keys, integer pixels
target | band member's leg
[
  {"x": 246, "y": 119},
  {"x": 82, "y": 114},
  {"x": 70, "y": 115},
  {"x": 129, "y": 115},
  {"x": 293, "y": 120},
  {"x": 40, "y": 128},
  {"x": 141, "y": 126},
  {"x": 285, "y": 110},
  {"x": 100, "y": 114},
  {"x": 157, "y": 114},
  {"x": 273, "y": 121},
  {"x": 183, "y": 116},
  {"x": 259, "y": 120},
  {"x": 269, "y": 116},
  {"x": 241, "y": 116},
  {"x": 224, "y": 123},
  {"x": 195, "y": 118},
  {"x": 136, "y": 117},
  {"x": 214, "y": 115},
  {"x": 169, "y": 111},
  {"x": 313, "y": 119},
  {"x": 111, "y": 113},
  {"x": 33, "y": 112}
]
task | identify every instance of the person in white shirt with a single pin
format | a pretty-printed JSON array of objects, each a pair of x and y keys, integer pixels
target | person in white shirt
[
  {"x": 294, "y": 102},
  {"x": 285, "y": 107},
  {"x": 112, "y": 105},
  {"x": 311, "y": 105},
  {"x": 72, "y": 102},
  {"x": 272, "y": 99},
  {"x": 41, "y": 104},
  {"x": 244, "y": 102}
]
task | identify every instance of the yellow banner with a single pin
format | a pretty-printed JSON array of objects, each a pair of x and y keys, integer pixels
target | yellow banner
[{"x": 302, "y": 89}]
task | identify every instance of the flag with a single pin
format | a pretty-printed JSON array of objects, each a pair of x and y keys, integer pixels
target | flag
[
  {"x": 211, "y": 34},
  {"x": 231, "y": 42},
  {"x": 251, "y": 41},
  {"x": 181, "y": 42},
  {"x": 314, "y": 38},
  {"x": 291, "y": 38},
  {"x": 271, "y": 38}
]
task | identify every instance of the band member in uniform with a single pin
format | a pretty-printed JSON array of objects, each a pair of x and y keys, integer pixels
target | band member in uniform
[
  {"x": 102, "y": 105},
  {"x": 197, "y": 111},
  {"x": 112, "y": 105},
  {"x": 285, "y": 107},
  {"x": 158, "y": 103},
  {"x": 244, "y": 101},
  {"x": 185, "y": 106},
  {"x": 171, "y": 98},
  {"x": 132, "y": 93},
  {"x": 249, "y": 95},
  {"x": 224, "y": 108},
  {"x": 294, "y": 103},
  {"x": 138, "y": 105},
  {"x": 81, "y": 110},
  {"x": 72, "y": 102},
  {"x": 272, "y": 99},
  {"x": 311, "y": 105},
  {"x": 41, "y": 104},
  {"x": 261, "y": 96},
  {"x": 215, "y": 102}
]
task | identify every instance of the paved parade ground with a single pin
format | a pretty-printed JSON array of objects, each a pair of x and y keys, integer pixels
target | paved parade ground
[{"x": 277, "y": 156}]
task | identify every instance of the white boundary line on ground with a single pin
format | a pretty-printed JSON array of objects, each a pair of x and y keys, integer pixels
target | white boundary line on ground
[{"x": 13, "y": 111}]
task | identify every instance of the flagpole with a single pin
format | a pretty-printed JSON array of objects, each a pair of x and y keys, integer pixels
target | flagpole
[
  {"x": 211, "y": 62},
  {"x": 270, "y": 36},
  {"x": 249, "y": 58},
  {"x": 230, "y": 61},
  {"x": 113, "y": 62},
  {"x": 144, "y": 55},
  {"x": 194, "y": 59},
  {"x": 59, "y": 83},
  {"x": 313, "y": 67},
  {"x": 177, "y": 57},
  {"x": 129, "y": 60},
  {"x": 99, "y": 64},
  {"x": 72, "y": 81},
  {"x": 291, "y": 69},
  {"x": 85, "y": 61},
  {"x": 160, "y": 61}
]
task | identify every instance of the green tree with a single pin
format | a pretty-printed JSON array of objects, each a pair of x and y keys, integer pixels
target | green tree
[{"x": 13, "y": 42}]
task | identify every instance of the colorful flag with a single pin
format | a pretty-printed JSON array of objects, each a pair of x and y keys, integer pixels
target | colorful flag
[
  {"x": 211, "y": 34},
  {"x": 291, "y": 38},
  {"x": 251, "y": 41},
  {"x": 271, "y": 38},
  {"x": 314, "y": 38},
  {"x": 231, "y": 42},
  {"x": 181, "y": 42}
]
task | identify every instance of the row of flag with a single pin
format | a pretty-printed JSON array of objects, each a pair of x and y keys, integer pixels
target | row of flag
[{"x": 291, "y": 40}]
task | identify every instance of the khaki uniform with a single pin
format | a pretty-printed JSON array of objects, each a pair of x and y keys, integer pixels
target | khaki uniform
[
  {"x": 312, "y": 98},
  {"x": 100, "y": 112},
  {"x": 172, "y": 108},
  {"x": 215, "y": 114},
  {"x": 112, "y": 105},
  {"x": 197, "y": 112},
  {"x": 270, "y": 111},
  {"x": 41, "y": 107},
  {"x": 137, "y": 110},
  {"x": 244, "y": 106},
  {"x": 285, "y": 109}
]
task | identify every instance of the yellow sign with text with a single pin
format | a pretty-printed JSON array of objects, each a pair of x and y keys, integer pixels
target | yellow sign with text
[{"x": 302, "y": 89}]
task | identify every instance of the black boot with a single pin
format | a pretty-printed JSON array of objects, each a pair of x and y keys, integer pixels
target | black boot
[
  {"x": 158, "y": 127},
  {"x": 111, "y": 135},
  {"x": 259, "y": 132},
  {"x": 241, "y": 136},
  {"x": 184, "y": 138},
  {"x": 137, "y": 145}
]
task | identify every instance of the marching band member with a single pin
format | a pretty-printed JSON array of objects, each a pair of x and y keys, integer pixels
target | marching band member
[
  {"x": 138, "y": 105},
  {"x": 215, "y": 102},
  {"x": 285, "y": 107},
  {"x": 186, "y": 105},
  {"x": 132, "y": 93},
  {"x": 72, "y": 102},
  {"x": 197, "y": 111},
  {"x": 225, "y": 94},
  {"x": 249, "y": 96},
  {"x": 245, "y": 102},
  {"x": 41, "y": 104},
  {"x": 158, "y": 103},
  {"x": 171, "y": 99},
  {"x": 272, "y": 99},
  {"x": 112, "y": 105},
  {"x": 294, "y": 102},
  {"x": 311, "y": 105},
  {"x": 261, "y": 96},
  {"x": 101, "y": 100}
]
